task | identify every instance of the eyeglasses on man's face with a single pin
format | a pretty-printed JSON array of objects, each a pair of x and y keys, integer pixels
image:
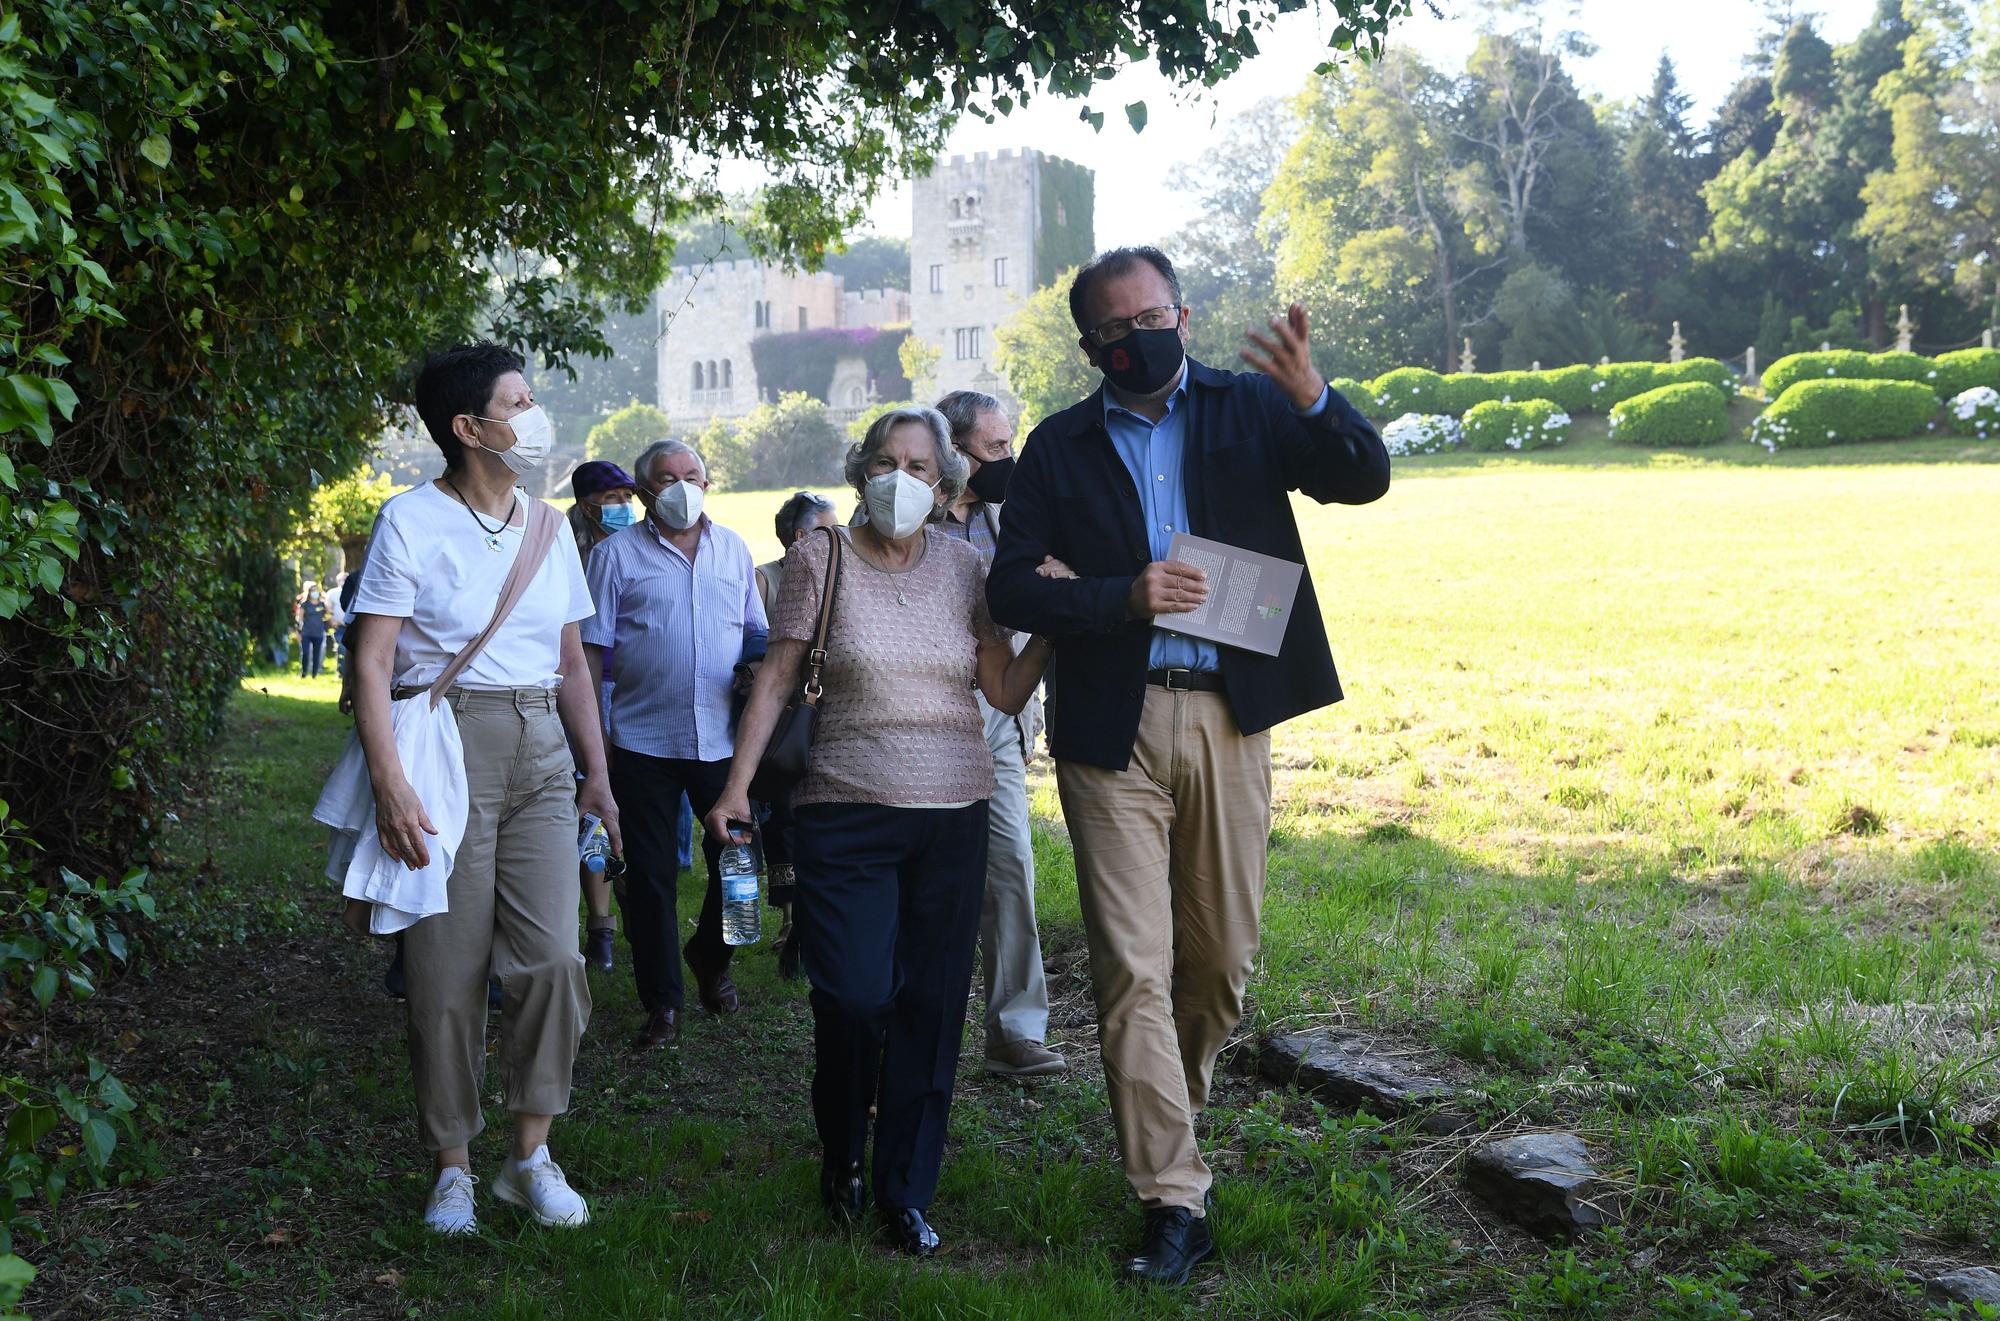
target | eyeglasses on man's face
[{"x": 1153, "y": 318}]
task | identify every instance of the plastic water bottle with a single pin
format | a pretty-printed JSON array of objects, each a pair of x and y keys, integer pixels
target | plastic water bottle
[
  {"x": 593, "y": 844},
  {"x": 741, "y": 911}
]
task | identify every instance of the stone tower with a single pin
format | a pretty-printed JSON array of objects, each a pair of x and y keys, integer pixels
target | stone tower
[{"x": 986, "y": 233}]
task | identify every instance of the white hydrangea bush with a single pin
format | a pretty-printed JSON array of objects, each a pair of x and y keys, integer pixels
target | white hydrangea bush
[
  {"x": 1976, "y": 412},
  {"x": 1423, "y": 433}
]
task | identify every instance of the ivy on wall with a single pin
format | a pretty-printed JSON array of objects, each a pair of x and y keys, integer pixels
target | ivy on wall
[
  {"x": 803, "y": 362},
  {"x": 1069, "y": 222}
]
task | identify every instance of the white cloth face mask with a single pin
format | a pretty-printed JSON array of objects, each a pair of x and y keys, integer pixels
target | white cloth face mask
[
  {"x": 679, "y": 506},
  {"x": 898, "y": 504},
  {"x": 532, "y": 434}
]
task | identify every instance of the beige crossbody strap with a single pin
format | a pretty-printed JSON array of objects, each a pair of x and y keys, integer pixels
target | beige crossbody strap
[{"x": 543, "y": 524}]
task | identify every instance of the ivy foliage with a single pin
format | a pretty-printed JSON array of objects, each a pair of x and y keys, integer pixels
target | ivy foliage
[{"x": 802, "y": 362}]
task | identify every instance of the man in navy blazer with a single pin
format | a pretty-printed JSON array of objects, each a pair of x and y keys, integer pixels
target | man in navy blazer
[{"x": 1162, "y": 742}]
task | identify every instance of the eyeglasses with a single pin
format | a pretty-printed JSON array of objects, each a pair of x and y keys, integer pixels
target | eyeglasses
[{"x": 1153, "y": 318}]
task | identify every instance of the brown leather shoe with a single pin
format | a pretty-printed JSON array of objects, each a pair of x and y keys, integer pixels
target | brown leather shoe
[
  {"x": 718, "y": 993},
  {"x": 663, "y": 1027},
  {"x": 719, "y": 996}
]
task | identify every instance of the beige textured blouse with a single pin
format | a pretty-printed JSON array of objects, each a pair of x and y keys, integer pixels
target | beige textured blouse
[{"x": 898, "y": 724}]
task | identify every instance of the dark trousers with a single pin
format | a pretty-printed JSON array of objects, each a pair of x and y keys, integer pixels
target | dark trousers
[
  {"x": 648, "y": 791},
  {"x": 311, "y": 651},
  {"x": 888, "y": 917},
  {"x": 777, "y": 830}
]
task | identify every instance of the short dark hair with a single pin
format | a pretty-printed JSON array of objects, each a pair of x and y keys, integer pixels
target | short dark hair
[
  {"x": 795, "y": 511},
  {"x": 1117, "y": 261},
  {"x": 962, "y": 408},
  {"x": 459, "y": 380}
]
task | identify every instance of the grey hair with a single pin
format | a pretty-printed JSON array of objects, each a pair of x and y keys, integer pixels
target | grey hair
[
  {"x": 952, "y": 468},
  {"x": 963, "y": 408},
  {"x": 642, "y": 467}
]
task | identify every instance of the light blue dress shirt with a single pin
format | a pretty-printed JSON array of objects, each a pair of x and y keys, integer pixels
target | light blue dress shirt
[
  {"x": 1152, "y": 452},
  {"x": 676, "y": 630}
]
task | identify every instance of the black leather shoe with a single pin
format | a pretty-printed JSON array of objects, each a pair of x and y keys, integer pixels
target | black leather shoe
[
  {"x": 910, "y": 1232},
  {"x": 843, "y": 1192},
  {"x": 1175, "y": 1242}
]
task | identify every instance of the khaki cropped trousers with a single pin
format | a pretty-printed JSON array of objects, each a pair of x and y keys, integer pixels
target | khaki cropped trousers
[
  {"x": 512, "y": 916},
  {"x": 1170, "y": 862}
]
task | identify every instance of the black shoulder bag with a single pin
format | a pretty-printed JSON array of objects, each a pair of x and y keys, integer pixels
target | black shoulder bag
[{"x": 790, "y": 749}]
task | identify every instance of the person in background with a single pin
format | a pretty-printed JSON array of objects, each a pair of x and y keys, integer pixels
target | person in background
[
  {"x": 315, "y": 620},
  {"x": 436, "y": 563},
  {"x": 890, "y": 839},
  {"x": 677, "y": 609},
  {"x": 337, "y": 601},
  {"x": 799, "y": 515},
  {"x": 603, "y": 506},
  {"x": 1162, "y": 741},
  {"x": 1017, "y": 993}
]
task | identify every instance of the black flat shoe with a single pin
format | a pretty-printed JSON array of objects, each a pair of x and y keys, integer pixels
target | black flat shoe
[
  {"x": 843, "y": 1193},
  {"x": 1175, "y": 1242},
  {"x": 909, "y": 1231}
]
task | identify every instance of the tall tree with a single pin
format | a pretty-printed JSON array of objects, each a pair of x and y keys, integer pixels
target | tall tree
[
  {"x": 1934, "y": 210},
  {"x": 1794, "y": 211},
  {"x": 1664, "y": 164},
  {"x": 1225, "y": 263}
]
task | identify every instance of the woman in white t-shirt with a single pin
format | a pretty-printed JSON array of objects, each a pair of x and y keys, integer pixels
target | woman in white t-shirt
[{"x": 436, "y": 563}]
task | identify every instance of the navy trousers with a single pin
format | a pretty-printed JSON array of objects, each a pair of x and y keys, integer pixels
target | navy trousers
[
  {"x": 887, "y": 916},
  {"x": 652, "y": 792}
]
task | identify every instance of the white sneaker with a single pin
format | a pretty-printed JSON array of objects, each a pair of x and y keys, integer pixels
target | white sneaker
[
  {"x": 449, "y": 1210},
  {"x": 538, "y": 1187}
]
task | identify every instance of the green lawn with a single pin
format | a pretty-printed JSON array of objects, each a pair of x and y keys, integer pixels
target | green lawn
[{"x": 1663, "y": 808}]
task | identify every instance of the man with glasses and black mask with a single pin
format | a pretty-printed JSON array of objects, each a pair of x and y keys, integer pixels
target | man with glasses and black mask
[
  {"x": 1017, "y": 995},
  {"x": 1162, "y": 742}
]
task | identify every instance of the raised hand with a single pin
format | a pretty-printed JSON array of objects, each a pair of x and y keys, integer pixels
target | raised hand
[{"x": 1285, "y": 355}]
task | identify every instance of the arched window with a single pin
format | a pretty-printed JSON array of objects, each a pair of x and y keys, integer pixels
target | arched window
[
  {"x": 955, "y": 208},
  {"x": 727, "y": 382},
  {"x": 714, "y": 376},
  {"x": 697, "y": 376},
  {"x": 971, "y": 205},
  {"x": 854, "y": 397},
  {"x": 757, "y": 311}
]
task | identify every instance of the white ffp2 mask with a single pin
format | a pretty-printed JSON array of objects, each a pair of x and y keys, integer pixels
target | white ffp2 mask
[
  {"x": 898, "y": 504},
  {"x": 679, "y": 506},
  {"x": 532, "y": 433}
]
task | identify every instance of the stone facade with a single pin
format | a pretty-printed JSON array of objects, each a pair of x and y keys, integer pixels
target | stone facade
[
  {"x": 708, "y": 316},
  {"x": 985, "y": 233}
]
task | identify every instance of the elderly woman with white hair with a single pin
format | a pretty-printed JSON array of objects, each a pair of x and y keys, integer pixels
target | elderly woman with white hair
[{"x": 890, "y": 840}]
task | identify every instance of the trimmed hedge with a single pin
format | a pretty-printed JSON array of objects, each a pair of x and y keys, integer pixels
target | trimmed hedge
[
  {"x": 1527, "y": 424},
  {"x": 1833, "y": 412},
  {"x": 1948, "y": 374},
  {"x": 1966, "y": 369},
  {"x": 1691, "y": 413},
  {"x": 1355, "y": 392},
  {"x": 1579, "y": 388},
  {"x": 1405, "y": 390}
]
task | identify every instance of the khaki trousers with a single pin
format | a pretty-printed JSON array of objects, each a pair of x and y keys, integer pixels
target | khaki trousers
[
  {"x": 1170, "y": 856},
  {"x": 512, "y": 897}
]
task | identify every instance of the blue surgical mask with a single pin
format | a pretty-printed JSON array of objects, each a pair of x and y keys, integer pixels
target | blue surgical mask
[{"x": 615, "y": 516}]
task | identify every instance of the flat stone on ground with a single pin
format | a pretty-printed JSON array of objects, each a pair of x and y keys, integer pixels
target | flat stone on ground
[
  {"x": 1541, "y": 1181},
  {"x": 1974, "y": 1284},
  {"x": 1343, "y": 1069}
]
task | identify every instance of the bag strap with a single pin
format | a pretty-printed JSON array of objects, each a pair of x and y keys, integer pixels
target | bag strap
[
  {"x": 542, "y": 525},
  {"x": 816, "y": 658}
]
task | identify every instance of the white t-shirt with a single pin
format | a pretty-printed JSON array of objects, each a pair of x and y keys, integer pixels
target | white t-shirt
[{"x": 429, "y": 564}]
